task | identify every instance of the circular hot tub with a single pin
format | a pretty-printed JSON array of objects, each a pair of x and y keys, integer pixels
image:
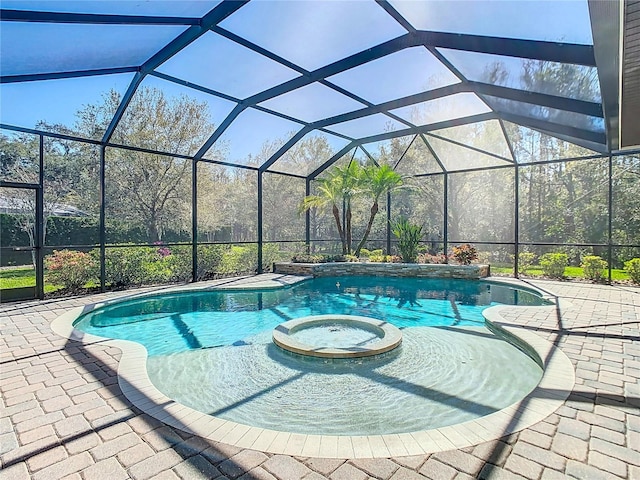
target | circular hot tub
[{"x": 337, "y": 336}]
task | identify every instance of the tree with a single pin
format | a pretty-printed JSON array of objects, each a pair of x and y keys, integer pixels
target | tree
[
  {"x": 20, "y": 163},
  {"x": 374, "y": 182},
  {"x": 341, "y": 186},
  {"x": 330, "y": 195},
  {"x": 151, "y": 191}
]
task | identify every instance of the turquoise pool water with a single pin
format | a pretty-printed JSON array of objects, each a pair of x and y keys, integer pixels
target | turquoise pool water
[
  {"x": 213, "y": 352},
  {"x": 178, "y": 322}
]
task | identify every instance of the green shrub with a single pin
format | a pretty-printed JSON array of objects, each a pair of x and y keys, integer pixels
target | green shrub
[
  {"x": 127, "y": 266},
  {"x": 319, "y": 258},
  {"x": 209, "y": 259},
  {"x": 553, "y": 264},
  {"x": 177, "y": 260},
  {"x": 379, "y": 257},
  {"x": 69, "y": 268},
  {"x": 409, "y": 236},
  {"x": 244, "y": 258},
  {"x": 594, "y": 267},
  {"x": 633, "y": 269},
  {"x": 370, "y": 253},
  {"x": 465, "y": 254},
  {"x": 525, "y": 261},
  {"x": 304, "y": 258},
  {"x": 239, "y": 259}
]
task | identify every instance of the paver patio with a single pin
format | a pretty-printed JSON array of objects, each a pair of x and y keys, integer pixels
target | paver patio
[{"x": 63, "y": 414}]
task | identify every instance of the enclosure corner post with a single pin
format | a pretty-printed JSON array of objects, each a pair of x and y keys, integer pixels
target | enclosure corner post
[
  {"x": 445, "y": 233},
  {"x": 307, "y": 220},
  {"x": 39, "y": 243},
  {"x": 194, "y": 220},
  {"x": 516, "y": 222},
  {"x": 610, "y": 212},
  {"x": 103, "y": 233},
  {"x": 260, "y": 240}
]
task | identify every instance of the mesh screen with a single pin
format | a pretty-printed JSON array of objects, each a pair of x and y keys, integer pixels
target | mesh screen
[
  {"x": 564, "y": 202},
  {"x": 71, "y": 192},
  {"x": 147, "y": 197},
  {"x": 281, "y": 198},
  {"x": 227, "y": 204},
  {"x": 480, "y": 206}
]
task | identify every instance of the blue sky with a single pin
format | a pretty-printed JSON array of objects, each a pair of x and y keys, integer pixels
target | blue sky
[{"x": 309, "y": 33}]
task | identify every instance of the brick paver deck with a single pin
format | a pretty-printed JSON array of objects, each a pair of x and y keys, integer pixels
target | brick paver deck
[{"x": 63, "y": 415}]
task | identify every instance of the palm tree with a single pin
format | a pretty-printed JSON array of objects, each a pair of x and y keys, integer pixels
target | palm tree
[
  {"x": 374, "y": 182},
  {"x": 338, "y": 187}
]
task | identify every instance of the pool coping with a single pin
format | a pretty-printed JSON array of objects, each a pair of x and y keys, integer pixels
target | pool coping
[
  {"x": 557, "y": 382},
  {"x": 391, "y": 337}
]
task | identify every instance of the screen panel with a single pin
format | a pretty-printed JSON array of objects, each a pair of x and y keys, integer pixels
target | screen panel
[
  {"x": 86, "y": 110},
  {"x": 281, "y": 199},
  {"x": 227, "y": 204},
  {"x": 312, "y": 102},
  {"x": 398, "y": 75},
  {"x": 34, "y": 47},
  {"x": 367, "y": 126},
  {"x": 168, "y": 117},
  {"x": 215, "y": 62},
  {"x": 252, "y": 138},
  {"x": 564, "y": 202},
  {"x": 71, "y": 192},
  {"x": 533, "y": 146},
  {"x": 554, "y": 21},
  {"x": 20, "y": 157},
  {"x": 309, "y": 153},
  {"x": 481, "y": 206},
  {"x": 147, "y": 197},
  {"x": 561, "y": 79},
  {"x": 626, "y": 213},
  {"x": 421, "y": 201},
  {"x": 454, "y": 106},
  {"x": 418, "y": 160},
  {"x": 313, "y": 34}
]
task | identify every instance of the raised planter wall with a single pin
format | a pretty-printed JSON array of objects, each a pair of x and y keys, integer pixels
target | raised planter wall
[{"x": 418, "y": 270}]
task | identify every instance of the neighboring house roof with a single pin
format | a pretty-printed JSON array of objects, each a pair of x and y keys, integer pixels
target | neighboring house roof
[{"x": 17, "y": 205}]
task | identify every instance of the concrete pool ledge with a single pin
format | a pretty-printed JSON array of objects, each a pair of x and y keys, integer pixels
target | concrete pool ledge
[{"x": 557, "y": 382}]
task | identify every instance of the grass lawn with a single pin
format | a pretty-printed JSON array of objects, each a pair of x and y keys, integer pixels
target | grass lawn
[
  {"x": 571, "y": 272},
  {"x": 22, "y": 277},
  {"x": 25, "y": 276}
]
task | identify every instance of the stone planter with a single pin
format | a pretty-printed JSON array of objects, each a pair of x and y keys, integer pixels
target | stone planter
[{"x": 417, "y": 270}]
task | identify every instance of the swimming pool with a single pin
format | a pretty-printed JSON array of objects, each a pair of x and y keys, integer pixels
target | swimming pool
[{"x": 212, "y": 351}]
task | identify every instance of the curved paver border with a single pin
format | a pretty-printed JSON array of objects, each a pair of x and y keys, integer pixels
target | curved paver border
[{"x": 553, "y": 389}]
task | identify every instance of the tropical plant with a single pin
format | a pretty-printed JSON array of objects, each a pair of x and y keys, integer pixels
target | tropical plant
[
  {"x": 465, "y": 254},
  {"x": 409, "y": 236},
  {"x": 337, "y": 188},
  {"x": 553, "y": 264},
  {"x": 439, "y": 258},
  {"x": 633, "y": 269},
  {"x": 374, "y": 182},
  {"x": 594, "y": 267},
  {"x": 341, "y": 186}
]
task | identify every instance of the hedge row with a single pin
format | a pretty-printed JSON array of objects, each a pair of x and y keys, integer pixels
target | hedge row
[{"x": 132, "y": 266}]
